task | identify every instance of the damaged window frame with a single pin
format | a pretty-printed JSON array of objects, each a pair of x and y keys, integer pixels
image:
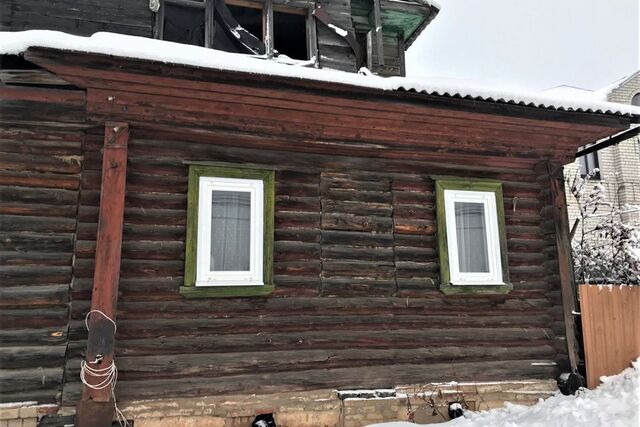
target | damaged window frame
[{"x": 267, "y": 7}]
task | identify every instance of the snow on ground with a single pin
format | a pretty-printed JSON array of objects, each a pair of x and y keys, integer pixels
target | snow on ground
[
  {"x": 160, "y": 50},
  {"x": 615, "y": 403}
]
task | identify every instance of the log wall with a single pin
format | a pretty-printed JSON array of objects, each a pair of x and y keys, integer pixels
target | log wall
[
  {"x": 39, "y": 182},
  {"x": 41, "y": 143},
  {"x": 356, "y": 271},
  {"x": 356, "y": 268}
]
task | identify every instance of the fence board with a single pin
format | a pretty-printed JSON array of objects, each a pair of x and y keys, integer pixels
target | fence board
[{"x": 611, "y": 329}]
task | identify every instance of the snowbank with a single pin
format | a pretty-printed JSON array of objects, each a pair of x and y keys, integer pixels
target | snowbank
[
  {"x": 615, "y": 403},
  {"x": 175, "y": 53}
]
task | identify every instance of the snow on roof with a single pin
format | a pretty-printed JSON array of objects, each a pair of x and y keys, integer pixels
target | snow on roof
[{"x": 175, "y": 53}]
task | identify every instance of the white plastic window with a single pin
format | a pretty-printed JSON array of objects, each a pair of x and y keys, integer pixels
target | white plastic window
[
  {"x": 230, "y": 232},
  {"x": 473, "y": 238}
]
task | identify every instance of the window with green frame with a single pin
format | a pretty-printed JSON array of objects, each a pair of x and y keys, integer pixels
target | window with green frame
[
  {"x": 229, "y": 244},
  {"x": 472, "y": 242}
]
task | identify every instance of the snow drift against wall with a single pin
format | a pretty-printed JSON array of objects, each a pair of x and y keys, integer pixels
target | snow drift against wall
[
  {"x": 169, "y": 52},
  {"x": 615, "y": 403}
]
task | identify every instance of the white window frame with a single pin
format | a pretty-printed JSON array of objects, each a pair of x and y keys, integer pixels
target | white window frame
[
  {"x": 204, "y": 276},
  {"x": 488, "y": 200}
]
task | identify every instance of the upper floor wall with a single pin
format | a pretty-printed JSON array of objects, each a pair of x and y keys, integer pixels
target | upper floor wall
[{"x": 344, "y": 35}]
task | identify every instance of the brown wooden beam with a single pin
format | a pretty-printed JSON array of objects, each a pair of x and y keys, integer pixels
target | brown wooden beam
[
  {"x": 565, "y": 260},
  {"x": 101, "y": 340}
]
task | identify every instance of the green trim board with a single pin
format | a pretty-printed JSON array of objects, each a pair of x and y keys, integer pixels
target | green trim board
[
  {"x": 445, "y": 276},
  {"x": 189, "y": 289}
]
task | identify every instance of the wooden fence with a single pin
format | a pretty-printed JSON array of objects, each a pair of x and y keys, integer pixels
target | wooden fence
[{"x": 611, "y": 329}]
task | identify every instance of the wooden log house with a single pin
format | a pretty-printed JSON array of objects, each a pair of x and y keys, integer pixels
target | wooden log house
[{"x": 349, "y": 213}]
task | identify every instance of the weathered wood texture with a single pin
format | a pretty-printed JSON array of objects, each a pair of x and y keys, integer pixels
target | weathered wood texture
[
  {"x": 39, "y": 181},
  {"x": 356, "y": 271},
  {"x": 82, "y": 17},
  {"x": 101, "y": 323},
  {"x": 565, "y": 260},
  {"x": 611, "y": 329},
  {"x": 333, "y": 49}
]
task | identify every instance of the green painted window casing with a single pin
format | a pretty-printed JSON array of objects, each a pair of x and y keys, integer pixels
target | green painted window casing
[
  {"x": 445, "y": 278},
  {"x": 189, "y": 289}
]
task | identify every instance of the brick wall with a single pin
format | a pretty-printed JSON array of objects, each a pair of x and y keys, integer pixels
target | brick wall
[
  {"x": 23, "y": 414},
  {"x": 619, "y": 164}
]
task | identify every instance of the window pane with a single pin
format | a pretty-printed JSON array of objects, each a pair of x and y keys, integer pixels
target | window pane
[
  {"x": 472, "y": 237},
  {"x": 290, "y": 35},
  {"x": 183, "y": 24},
  {"x": 230, "y": 230},
  {"x": 248, "y": 18}
]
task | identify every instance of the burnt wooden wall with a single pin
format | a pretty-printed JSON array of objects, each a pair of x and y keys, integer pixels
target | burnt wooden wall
[
  {"x": 356, "y": 271},
  {"x": 81, "y": 17},
  {"x": 40, "y": 166}
]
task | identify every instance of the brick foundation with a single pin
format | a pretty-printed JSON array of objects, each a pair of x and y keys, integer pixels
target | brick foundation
[
  {"x": 330, "y": 408},
  {"x": 23, "y": 414}
]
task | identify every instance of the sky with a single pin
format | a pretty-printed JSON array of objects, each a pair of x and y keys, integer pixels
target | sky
[{"x": 530, "y": 45}]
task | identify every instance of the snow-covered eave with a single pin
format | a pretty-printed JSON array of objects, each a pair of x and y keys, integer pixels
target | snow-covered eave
[{"x": 174, "y": 53}]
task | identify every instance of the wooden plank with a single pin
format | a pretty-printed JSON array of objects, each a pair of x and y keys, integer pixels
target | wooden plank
[
  {"x": 267, "y": 27},
  {"x": 611, "y": 329},
  {"x": 565, "y": 260},
  {"x": 108, "y": 251},
  {"x": 51, "y": 60}
]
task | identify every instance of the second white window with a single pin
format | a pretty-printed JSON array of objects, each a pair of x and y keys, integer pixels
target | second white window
[{"x": 473, "y": 238}]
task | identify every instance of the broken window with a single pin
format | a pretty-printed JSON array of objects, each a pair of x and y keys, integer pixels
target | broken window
[{"x": 235, "y": 26}]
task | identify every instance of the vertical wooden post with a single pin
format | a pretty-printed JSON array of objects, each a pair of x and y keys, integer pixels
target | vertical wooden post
[
  {"x": 377, "y": 18},
  {"x": 565, "y": 260},
  {"x": 267, "y": 27},
  {"x": 96, "y": 407},
  {"x": 312, "y": 38},
  {"x": 401, "y": 55}
]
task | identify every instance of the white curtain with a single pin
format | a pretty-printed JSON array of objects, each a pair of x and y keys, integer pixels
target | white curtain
[
  {"x": 471, "y": 237},
  {"x": 230, "y": 230}
]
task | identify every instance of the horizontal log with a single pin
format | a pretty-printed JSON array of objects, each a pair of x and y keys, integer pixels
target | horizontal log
[
  {"x": 15, "y": 380},
  {"x": 34, "y": 317},
  {"x": 32, "y": 357},
  {"x": 349, "y": 222},
  {"x": 356, "y": 195},
  {"x": 354, "y": 238},
  {"x": 357, "y": 208},
  {"x": 34, "y": 209},
  {"x": 37, "y": 224},
  {"x": 34, "y": 275},
  {"x": 32, "y": 336},
  {"x": 345, "y": 378},
  {"x": 15, "y": 258},
  {"x": 40, "y": 163},
  {"x": 293, "y": 203},
  {"x": 221, "y": 364},
  {"x": 341, "y": 252},
  {"x": 31, "y": 296},
  {"x": 431, "y": 302},
  {"x": 298, "y": 235},
  {"x": 295, "y": 251},
  {"x": 39, "y": 179}
]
